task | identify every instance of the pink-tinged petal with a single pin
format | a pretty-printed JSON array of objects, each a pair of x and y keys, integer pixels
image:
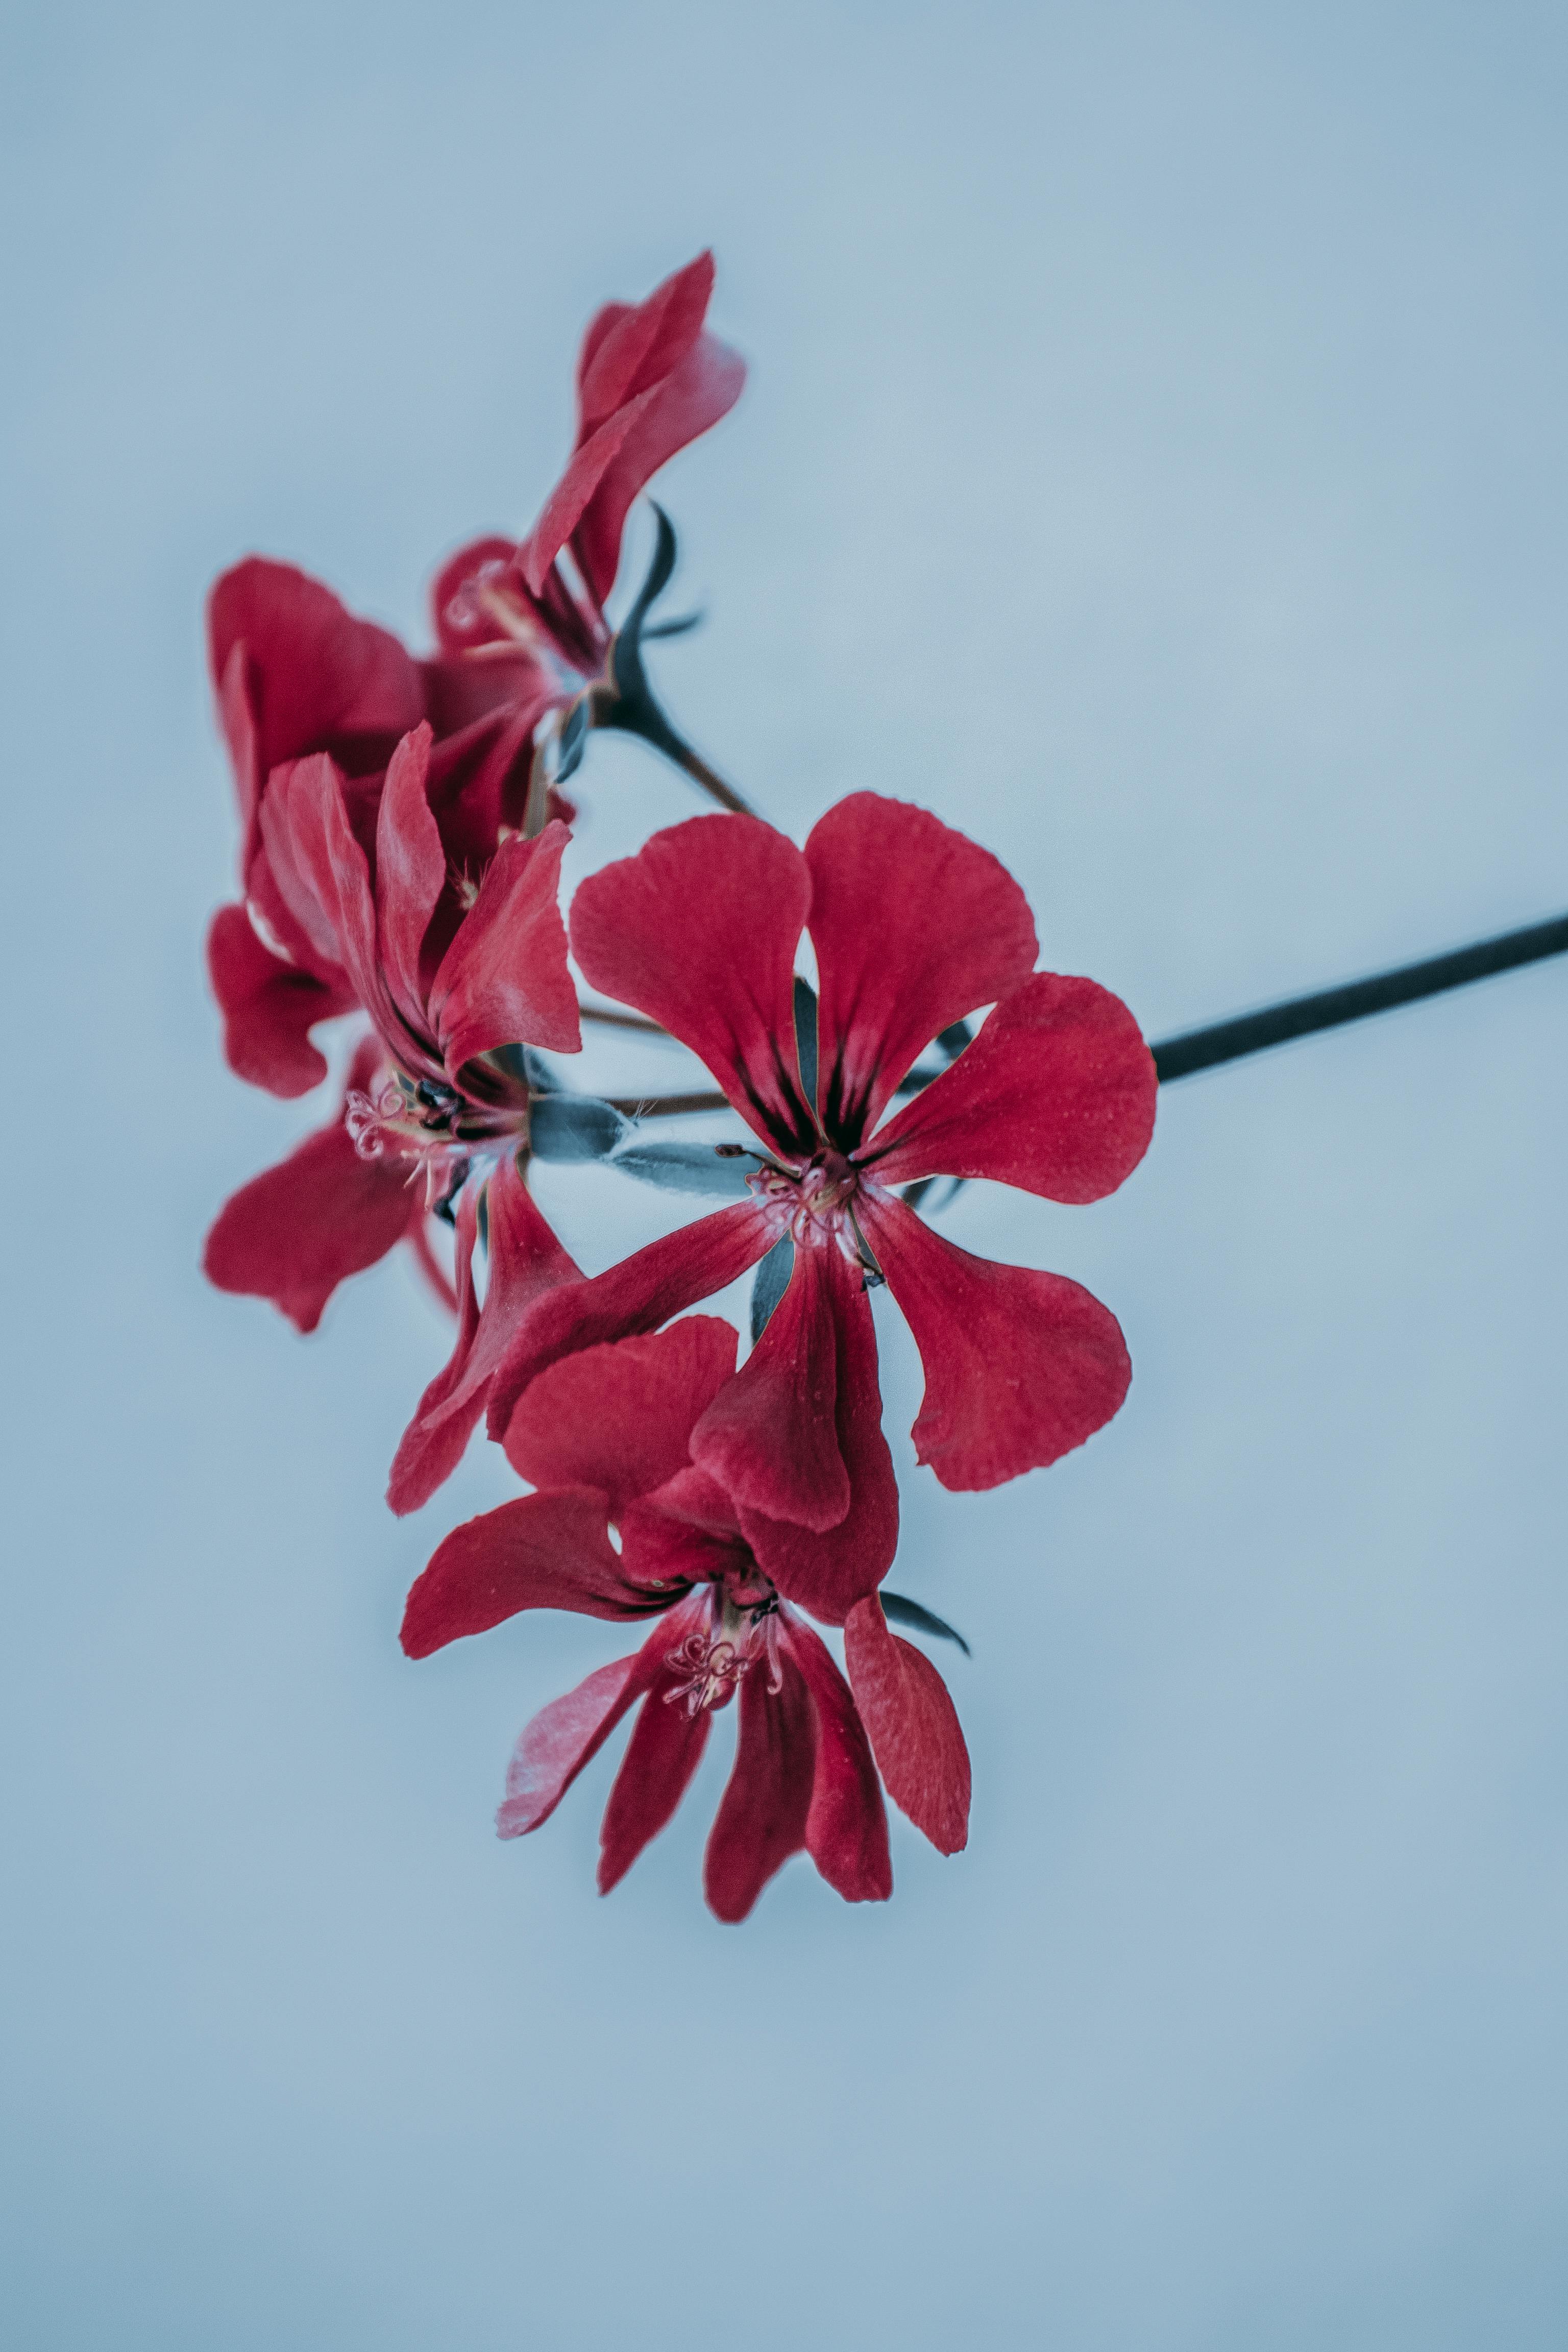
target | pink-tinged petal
[
  {"x": 295, "y": 1232},
  {"x": 914, "y": 926},
  {"x": 847, "y": 1826},
  {"x": 663, "y": 1753},
  {"x": 770, "y": 1437},
  {"x": 1020, "y": 1367},
  {"x": 236, "y": 716},
  {"x": 566, "y": 1736},
  {"x": 661, "y": 1552},
  {"x": 761, "y": 1815},
  {"x": 639, "y": 1294},
  {"x": 913, "y": 1725},
  {"x": 459, "y": 612},
  {"x": 268, "y": 1007},
  {"x": 544, "y": 1551},
  {"x": 1056, "y": 1094},
  {"x": 827, "y": 1572},
  {"x": 620, "y": 1416},
  {"x": 504, "y": 979},
  {"x": 410, "y": 871},
  {"x": 704, "y": 387},
  {"x": 525, "y": 1261},
  {"x": 700, "y": 931},
  {"x": 321, "y": 679}
]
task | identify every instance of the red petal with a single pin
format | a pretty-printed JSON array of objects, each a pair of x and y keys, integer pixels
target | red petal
[
  {"x": 704, "y": 387},
  {"x": 846, "y": 1827},
  {"x": 630, "y": 347},
  {"x": 323, "y": 680},
  {"x": 294, "y": 1234},
  {"x": 562, "y": 511},
  {"x": 770, "y": 1436},
  {"x": 544, "y": 1551},
  {"x": 761, "y": 1815},
  {"x": 410, "y": 871},
  {"x": 620, "y": 1416},
  {"x": 324, "y": 877},
  {"x": 270, "y": 1008},
  {"x": 913, "y": 1726},
  {"x": 914, "y": 926},
  {"x": 1020, "y": 1367},
  {"x": 700, "y": 931},
  {"x": 644, "y": 1291},
  {"x": 663, "y": 1753},
  {"x": 525, "y": 1261},
  {"x": 504, "y": 979},
  {"x": 566, "y": 1735},
  {"x": 827, "y": 1572},
  {"x": 1056, "y": 1095}
]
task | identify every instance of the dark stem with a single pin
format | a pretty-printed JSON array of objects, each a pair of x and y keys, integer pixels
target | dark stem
[{"x": 1329, "y": 1008}]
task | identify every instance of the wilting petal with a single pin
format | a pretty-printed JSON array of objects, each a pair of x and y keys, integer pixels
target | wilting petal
[
  {"x": 1056, "y": 1094},
  {"x": 620, "y": 1416},
  {"x": 828, "y": 1571},
  {"x": 544, "y": 1551},
  {"x": 566, "y": 1735},
  {"x": 914, "y": 926},
  {"x": 504, "y": 979},
  {"x": 770, "y": 1436},
  {"x": 913, "y": 1725},
  {"x": 846, "y": 1827},
  {"x": 410, "y": 871},
  {"x": 268, "y": 1007},
  {"x": 761, "y": 1815},
  {"x": 295, "y": 1232},
  {"x": 1020, "y": 1367},
  {"x": 700, "y": 931},
  {"x": 663, "y": 1753},
  {"x": 525, "y": 1260},
  {"x": 639, "y": 1294}
]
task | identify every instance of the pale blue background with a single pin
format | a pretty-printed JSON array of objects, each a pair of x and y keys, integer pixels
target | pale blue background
[{"x": 1155, "y": 462}]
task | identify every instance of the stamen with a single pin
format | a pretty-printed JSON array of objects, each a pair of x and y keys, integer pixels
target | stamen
[{"x": 712, "y": 1668}]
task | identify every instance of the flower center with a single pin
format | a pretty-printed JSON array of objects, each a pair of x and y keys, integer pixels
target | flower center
[
  {"x": 432, "y": 1127},
  {"x": 710, "y": 1666},
  {"x": 814, "y": 1205}
]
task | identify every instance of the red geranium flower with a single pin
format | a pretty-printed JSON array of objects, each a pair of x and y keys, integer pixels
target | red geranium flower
[
  {"x": 450, "y": 973},
  {"x": 914, "y": 927},
  {"x": 649, "y": 380},
  {"x": 606, "y": 1435},
  {"x": 295, "y": 673}
]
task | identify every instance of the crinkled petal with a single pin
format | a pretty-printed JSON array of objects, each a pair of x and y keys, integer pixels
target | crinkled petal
[
  {"x": 912, "y": 1726},
  {"x": 771, "y": 1437},
  {"x": 914, "y": 926},
  {"x": 295, "y": 1232},
  {"x": 700, "y": 931},
  {"x": 663, "y": 1753},
  {"x": 1020, "y": 1367},
  {"x": 544, "y": 1551},
  {"x": 761, "y": 1815},
  {"x": 847, "y": 1826},
  {"x": 639, "y": 1294},
  {"x": 268, "y": 1007},
  {"x": 1056, "y": 1094},
  {"x": 566, "y": 1735},
  {"x": 525, "y": 1260},
  {"x": 620, "y": 1416},
  {"x": 828, "y": 1570},
  {"x": 504, "y": 979}
]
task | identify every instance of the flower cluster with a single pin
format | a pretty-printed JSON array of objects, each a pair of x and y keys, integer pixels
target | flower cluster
[{"x": 402, "y": 823}]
